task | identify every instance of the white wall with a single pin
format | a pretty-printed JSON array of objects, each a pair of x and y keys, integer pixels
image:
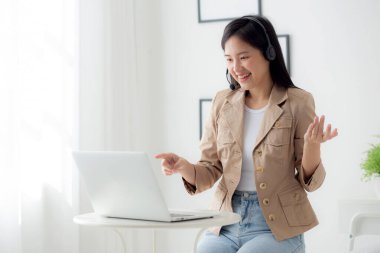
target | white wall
[{"x": 334, "y": 55}]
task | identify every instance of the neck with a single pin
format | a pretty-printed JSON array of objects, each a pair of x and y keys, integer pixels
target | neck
[
  {"x": 260, "y": 92},
  {"x": 258, "y": 97}
]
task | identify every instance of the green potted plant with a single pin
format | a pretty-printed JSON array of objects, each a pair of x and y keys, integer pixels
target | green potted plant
[{"x": 371, "y": 166}]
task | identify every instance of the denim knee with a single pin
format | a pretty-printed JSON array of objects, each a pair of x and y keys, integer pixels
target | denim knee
[{"x": 211, "y": 243}]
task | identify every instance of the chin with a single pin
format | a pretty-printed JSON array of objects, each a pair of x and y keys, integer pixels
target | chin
[{"x": 246, "y": 86}]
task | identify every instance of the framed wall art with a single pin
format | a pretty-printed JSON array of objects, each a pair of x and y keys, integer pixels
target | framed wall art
[
  {"x": 285, "y": 48},
  {"x": 204, "y": 112},
  {"x": 222, "y": 10}
]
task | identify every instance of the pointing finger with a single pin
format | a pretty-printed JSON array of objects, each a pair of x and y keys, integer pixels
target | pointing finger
[{"x": 162, "y": 156}]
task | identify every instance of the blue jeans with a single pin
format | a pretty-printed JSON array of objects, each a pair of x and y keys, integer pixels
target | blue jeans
[{"x": 251, "y": 234}]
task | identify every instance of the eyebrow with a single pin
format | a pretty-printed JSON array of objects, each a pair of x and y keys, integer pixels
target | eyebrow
[{"x": 244, "y": 52}]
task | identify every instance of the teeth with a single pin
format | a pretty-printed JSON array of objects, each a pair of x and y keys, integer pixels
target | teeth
[{"x": 242, "y": 77}]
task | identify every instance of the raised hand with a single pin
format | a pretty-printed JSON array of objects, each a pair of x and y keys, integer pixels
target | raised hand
[{"x": 316, "y": 134}]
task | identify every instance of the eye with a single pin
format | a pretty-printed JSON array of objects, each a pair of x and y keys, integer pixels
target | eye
[
  {"x": 228, "y": 59},
  {"x": 244, "y": 57}
]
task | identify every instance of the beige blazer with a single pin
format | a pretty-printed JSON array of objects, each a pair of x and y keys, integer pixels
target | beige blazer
[{"x": 277, "y": 156}]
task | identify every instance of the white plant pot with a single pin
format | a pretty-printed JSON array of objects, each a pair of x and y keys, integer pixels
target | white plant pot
[{"x": 376, "y": 185}]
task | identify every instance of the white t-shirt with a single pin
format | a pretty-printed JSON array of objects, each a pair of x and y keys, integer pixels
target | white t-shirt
[{"x": 252, "y": 123}]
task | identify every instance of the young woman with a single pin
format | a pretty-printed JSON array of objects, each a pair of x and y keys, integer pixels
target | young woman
[{"x": 263, "y": 140}]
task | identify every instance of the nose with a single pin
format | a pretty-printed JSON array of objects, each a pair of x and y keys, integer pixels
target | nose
[{"x": 237, "y": 67}]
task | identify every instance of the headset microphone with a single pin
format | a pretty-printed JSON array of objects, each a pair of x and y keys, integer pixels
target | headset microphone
[{"x": 232, "y": 86}]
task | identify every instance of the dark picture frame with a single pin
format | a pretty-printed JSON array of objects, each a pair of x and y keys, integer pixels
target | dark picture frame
[
  {"x": 204, "y": 112},
  {"x": 284, "y": 40},
  {"x": 224, "y": 10}
]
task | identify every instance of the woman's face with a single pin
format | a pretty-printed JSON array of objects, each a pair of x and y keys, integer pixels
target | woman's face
[{"x": 246, "y": 64}]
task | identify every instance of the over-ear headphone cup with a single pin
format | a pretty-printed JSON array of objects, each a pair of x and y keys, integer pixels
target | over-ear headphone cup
[{"x": 271, "y": 53}]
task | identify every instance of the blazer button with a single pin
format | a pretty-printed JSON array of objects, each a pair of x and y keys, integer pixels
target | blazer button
[
  {"x": 271, "y": 217},
  {"x": 259, "y": 152},
  {"x": 263, "y": 186},
  {"x": 266, "y": 201},
  {"x": 259, "y": 169}
]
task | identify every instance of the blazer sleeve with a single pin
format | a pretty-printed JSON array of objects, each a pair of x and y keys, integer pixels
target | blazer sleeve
[
  {"x": 209, "y": 168},
  {"x": 305, "y": 116}
]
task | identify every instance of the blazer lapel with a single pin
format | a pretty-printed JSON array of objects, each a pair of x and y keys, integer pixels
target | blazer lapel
[
  {"x": 273, "y": 112},
  {"x": 233, "y": 112}
]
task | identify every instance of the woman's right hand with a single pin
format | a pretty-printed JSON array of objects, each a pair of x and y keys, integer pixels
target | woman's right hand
[{"x": 172, "y": 163}]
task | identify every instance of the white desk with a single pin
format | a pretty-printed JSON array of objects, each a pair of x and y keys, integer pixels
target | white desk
[{"x": 92, "y": 219}]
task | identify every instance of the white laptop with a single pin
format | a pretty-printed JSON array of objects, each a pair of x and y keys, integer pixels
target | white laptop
[{"x": 123, "y": 185}]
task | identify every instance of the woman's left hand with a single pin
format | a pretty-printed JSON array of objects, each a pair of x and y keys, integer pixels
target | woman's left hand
[{"x": 316, "y": 134}]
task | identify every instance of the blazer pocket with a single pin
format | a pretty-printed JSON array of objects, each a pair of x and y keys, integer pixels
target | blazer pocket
[
  {"x": 297, "y": 208},
  {"x": 279, "y": 135},
  {"x": 225, "y": 137}
]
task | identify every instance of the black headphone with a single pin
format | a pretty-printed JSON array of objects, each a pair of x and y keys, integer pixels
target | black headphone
[{"x": 270, "y": 52}]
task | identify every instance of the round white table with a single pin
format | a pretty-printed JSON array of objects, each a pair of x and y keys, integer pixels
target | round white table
[{"x": 92, "y": 219}]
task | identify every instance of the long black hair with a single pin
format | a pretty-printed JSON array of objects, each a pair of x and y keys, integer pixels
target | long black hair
[{"x": 252, "y": 33}]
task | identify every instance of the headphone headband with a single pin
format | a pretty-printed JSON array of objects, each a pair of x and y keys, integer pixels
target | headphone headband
[{"x": 270, "y": 52}]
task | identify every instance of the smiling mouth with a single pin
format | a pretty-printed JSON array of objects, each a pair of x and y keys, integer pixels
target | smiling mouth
[{"x": 244, "y": 77}]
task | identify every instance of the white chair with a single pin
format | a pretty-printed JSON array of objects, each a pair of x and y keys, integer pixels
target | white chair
[{"x": 364, "y": 224}]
